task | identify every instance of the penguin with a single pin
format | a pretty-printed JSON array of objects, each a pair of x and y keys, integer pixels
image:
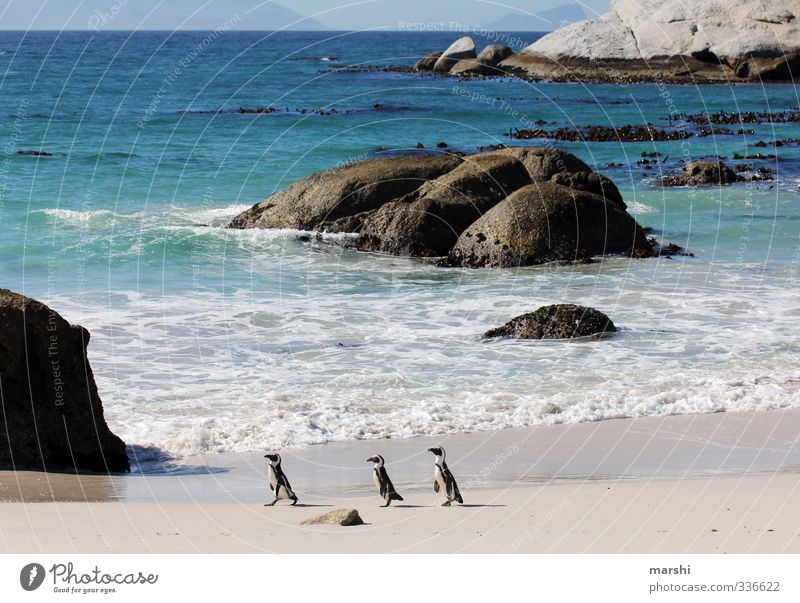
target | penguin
[
  {"x": 277, "y": 480},
  {"x": 443, "y": 479},
  {"x": 382, "y": 481}
]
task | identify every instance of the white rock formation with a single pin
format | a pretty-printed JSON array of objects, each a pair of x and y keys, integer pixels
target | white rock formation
[
  {"x": 647, "y": 29},
  {"x": 463, "y": 48}
]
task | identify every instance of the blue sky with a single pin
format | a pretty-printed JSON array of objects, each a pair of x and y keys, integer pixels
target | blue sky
[
  {"x": 342, "y": 14},
  {"x": 469, "y": 11}
]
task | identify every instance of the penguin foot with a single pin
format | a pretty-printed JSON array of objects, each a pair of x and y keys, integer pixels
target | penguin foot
[
  {"x": 294, "y": 501},
  {"x": 272, "y": 504},
  {"x": 447, "y": 503},
  {"x": 388, "y": 502}
]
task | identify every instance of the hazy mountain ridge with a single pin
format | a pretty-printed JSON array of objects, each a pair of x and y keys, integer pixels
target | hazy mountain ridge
[{"x": 546, "y": 20}]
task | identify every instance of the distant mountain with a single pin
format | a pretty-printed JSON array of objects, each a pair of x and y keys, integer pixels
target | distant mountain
[
  {"x": 546, "y": 20},
  {"x": 103, "y": 15},
  {"x": 265, "y": 16}
]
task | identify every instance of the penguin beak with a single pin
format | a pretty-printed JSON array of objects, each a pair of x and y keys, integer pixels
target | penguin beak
[
  {"x": 431, "y": 450},
  {"x": 372, "y": 459}
]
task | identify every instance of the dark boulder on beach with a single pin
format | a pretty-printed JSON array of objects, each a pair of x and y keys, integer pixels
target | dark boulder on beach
[
  {"x": 547, "y": 222},
  {"x": 428, "y": 221},
  {"x": 427, "y": 62},
  {"x": 702, "y": 173},
  {"x": 338, "y": 200},
  {"x": 52, "y": 413},
  {"x": 561, "y": 321}
]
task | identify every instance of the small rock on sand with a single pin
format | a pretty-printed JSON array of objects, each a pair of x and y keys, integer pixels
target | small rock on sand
[{"x": 337, "y": 517}]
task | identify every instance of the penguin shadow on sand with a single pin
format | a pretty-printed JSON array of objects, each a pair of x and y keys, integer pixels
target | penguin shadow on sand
[
  {"x": 299, "y": 505},
  {"x": 443, "y": 482}
]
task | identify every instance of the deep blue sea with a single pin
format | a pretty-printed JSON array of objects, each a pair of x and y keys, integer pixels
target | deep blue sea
[{"x": 210, "y": 340}]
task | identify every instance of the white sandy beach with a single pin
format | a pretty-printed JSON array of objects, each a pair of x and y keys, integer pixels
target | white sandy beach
[{"x": 726, "y": 483}]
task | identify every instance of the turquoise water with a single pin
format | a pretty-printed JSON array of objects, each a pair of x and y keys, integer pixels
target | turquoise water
[{"x": 210, "y": 340}]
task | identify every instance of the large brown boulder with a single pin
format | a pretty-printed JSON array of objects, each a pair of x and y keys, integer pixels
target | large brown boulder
[
  {"x": 485, "y": 63},
  {"x": 591, "y": 182},
  {"x": 561, "y": 321},
  {"x": 428, "y": 221},
  {"x": 543, "y": 163},
  {"x": 338, "y": 200},
  {"x": 494, "y": 53},
  {"x": 784, "y": 66},
  {"x": 702, "y": 173},
  {"x": 427, "y": 62},
  {"x": 547, "y": 222},
  {"x": 510, "y": 207},
  {"x": 472, "y": 67},
  {"x": 52, "y": 414}
]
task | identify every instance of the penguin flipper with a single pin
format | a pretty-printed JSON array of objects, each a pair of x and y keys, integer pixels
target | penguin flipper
[
  {"x": 395, "y": 496},
  {"x": 436, "y": 485}
]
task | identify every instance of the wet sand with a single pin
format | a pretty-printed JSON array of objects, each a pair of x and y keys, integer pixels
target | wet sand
[{"x": 727, "y": 482}]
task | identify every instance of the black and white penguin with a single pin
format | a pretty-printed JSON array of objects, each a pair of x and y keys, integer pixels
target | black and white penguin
[
  {"x": 443, "y": 480},
  {"x": 382, "y": 481},
  {"x": 277, "y": 480}
]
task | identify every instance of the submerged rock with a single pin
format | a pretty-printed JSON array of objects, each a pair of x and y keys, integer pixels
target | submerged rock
[
  {"x": 702, "y": 173},
  {"x": 52, "y": 414},
  {"x": 337, "y": 517},
  {"x": 562, "y": 321}
]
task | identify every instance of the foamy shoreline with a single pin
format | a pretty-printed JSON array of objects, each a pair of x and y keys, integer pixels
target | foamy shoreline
[{"x": 634, "y": 485}]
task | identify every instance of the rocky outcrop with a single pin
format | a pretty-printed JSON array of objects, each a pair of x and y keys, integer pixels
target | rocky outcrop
[
  {"x": 463, "y": 48},
  {"x": 337, "y": 517},
  {"x": 547, "y": 222},
  {"x": 659, "y": 39},
  {"x": 338, "y": 200},
  {"x": 429, "y": 221},
  {"x": 485, "y": 63},
  {"x": 543, "y": 163},
  {"x": 509, "y": 207},
  {"x": 52, "y": 414},
  {"x": 591, "y": 182},
  {"x": 562, "y": 321},
  {"x": 702, "y": 173},
  {"x": 494, "y": 53},
  {"x": 427, "y": 62}
]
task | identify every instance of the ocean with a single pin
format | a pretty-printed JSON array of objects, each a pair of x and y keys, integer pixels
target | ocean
[{"x": 207, "y": 340}]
